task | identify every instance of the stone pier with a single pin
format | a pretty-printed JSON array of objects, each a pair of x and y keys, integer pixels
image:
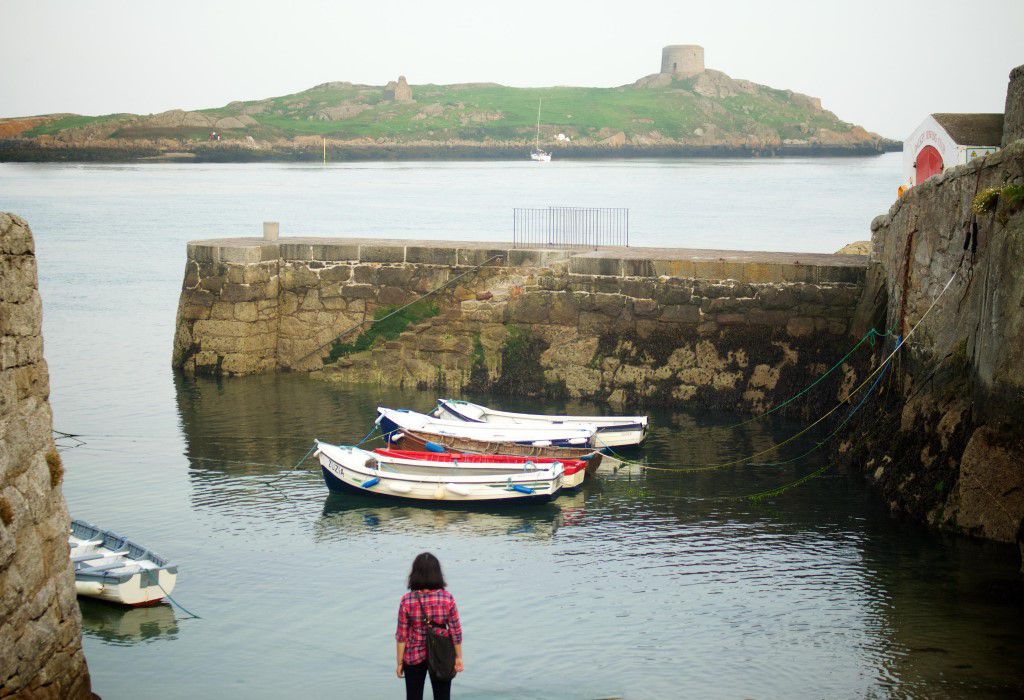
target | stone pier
[{"x": 724, "y": 328}]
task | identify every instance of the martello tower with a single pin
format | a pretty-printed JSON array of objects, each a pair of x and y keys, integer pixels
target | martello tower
[{"x": 682, "y": 60}]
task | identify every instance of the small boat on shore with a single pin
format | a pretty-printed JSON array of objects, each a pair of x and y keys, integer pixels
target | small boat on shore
[
  {"x": 417, "y": 441},
  {"x": 111, "y": 567},
  {"x": 394, "y": 420},
  {"x": 348, "y": 468},
  {"x": 612, "y": 431},
  {"x": 430, "y": 462}
]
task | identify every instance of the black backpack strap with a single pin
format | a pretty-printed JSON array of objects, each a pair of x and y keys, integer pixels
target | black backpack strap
[{"x": 423, "y": 612}]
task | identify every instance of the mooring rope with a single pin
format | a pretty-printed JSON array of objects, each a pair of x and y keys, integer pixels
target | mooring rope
[
  {"x": 173, "y": 600},
  {"x": 902, "y": 341},
  {"x": 871, "y": 334},
  {"x": 778, "y": 490},
  {"x": 373, "y": 322}
]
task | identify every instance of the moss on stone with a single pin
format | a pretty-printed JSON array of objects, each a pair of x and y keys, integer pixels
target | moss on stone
[
  {"x": 521, "y": 371},
  {"x": 479, "y": 377},
  {"x": 387, "y": 325}
]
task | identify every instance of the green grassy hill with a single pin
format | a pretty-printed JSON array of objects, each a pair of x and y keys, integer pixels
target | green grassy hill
[{"x": 707, "y": 111}]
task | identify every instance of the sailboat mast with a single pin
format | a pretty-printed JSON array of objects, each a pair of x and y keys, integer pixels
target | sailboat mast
[{"x": 536, "y": 140}]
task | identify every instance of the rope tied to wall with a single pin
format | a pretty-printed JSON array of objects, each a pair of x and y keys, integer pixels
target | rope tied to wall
[{"x": 900, "y": 343}]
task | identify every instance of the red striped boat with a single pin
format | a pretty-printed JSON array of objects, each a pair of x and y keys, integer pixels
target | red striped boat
[{"x": 575, "y": 469}]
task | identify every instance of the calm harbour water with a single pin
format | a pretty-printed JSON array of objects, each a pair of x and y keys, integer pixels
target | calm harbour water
[{"x": 662, "y": 585}]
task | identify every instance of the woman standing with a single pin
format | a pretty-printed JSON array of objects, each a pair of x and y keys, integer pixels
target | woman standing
[{"x": 427, "y": 598}]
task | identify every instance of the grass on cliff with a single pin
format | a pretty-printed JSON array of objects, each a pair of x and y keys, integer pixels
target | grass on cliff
[
  {"x": 497, "y": 112},
  {"x": 489, "y": 112},
  {"x": 384, "y": 328},
  {"x": 71, "y": 121}
]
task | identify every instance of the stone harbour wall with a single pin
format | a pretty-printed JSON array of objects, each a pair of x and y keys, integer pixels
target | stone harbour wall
[
  {"x": 628, "y": 326},
  {"x": 40, "y": 624},
  {"x": 948, "y": 447}
]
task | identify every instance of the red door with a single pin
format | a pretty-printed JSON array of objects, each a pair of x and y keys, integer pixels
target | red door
[{"x": 928, "y": 163}]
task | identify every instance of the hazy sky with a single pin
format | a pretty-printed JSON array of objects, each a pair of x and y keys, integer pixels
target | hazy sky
[{"x": 883, "y": 65}]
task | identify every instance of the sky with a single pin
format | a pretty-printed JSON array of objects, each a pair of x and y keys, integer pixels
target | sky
[{"x": 883, "y": 65}]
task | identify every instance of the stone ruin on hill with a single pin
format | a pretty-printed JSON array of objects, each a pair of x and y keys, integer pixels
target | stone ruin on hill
[{"x": 398, "y": 92}]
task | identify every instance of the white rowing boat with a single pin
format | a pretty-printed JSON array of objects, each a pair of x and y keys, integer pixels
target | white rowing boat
[
  {"x": 540, "y": 435},
  {"x": 113, "y": 568},
  {"x": 348, "y": 468},
  {"x": 574, "y": 470},
  {"x": 612, "y": 431}
]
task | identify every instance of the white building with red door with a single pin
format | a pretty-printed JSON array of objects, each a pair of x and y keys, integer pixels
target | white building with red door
[{"x": 946, "y": 140}]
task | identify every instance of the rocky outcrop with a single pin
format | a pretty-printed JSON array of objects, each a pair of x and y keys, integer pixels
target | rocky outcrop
[
  {"x": 948, "y": 446},
  {"x": 855, "y": 248},
  {"x": 1013, "y": 115},
  {"x": 40, "y": 625}
]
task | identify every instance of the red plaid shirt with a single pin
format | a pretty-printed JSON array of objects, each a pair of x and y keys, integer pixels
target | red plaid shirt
[{"x": 439, "y": 606}]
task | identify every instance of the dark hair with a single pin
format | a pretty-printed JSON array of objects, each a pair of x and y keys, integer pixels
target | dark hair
[{"x": 426, "y": 573}]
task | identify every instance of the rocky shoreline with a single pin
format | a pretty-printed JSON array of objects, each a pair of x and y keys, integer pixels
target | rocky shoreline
[{"x": 30, "y": 151}]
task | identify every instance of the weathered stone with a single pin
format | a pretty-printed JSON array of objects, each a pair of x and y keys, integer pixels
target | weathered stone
[
  {"x": 680, "y": 314},
  {"x": 394, "y": 296},
  {"x": 530, "y": 308},
  {"x": 382, "y": 253},
  {"x": 336, "y": 273},
  {"x": 800, "y": 326},
  {"x": 40, "y": 634},
  {"x": 432, "y": 255},
  {"x": 359, "y": 291}
]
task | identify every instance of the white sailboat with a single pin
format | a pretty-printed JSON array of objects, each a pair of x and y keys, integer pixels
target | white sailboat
[{"x": 538, "y": 154}]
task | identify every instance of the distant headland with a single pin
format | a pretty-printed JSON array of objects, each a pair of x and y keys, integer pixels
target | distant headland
[{"x": 685, "y": 109}]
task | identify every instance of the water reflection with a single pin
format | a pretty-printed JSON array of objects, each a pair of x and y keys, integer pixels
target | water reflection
[
  {"x": 820, "y": 578},
  {"x": 121, "y": 626},
  {"x": 346, "y": 515}
]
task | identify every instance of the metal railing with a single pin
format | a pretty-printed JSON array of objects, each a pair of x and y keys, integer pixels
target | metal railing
[{"x": 570, "y": 227}]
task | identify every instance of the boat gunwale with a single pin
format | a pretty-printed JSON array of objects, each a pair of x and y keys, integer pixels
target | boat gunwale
[
  {"x": 602, "y": 423},
  {"x": 471, "y": 479}
]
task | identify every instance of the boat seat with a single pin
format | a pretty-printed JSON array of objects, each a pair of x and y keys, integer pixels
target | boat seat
[
  {"x": 98, "y": 555},
  {"x": 86, "y": 543},
  {"x": 107, "y": 567}
]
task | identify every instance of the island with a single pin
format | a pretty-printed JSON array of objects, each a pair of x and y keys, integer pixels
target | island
[{"x": 685, "y": 109}]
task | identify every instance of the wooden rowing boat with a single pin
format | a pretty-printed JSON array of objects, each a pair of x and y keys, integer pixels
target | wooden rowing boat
[
  {"x": 113, "y": 568},
  {"x": 391, "y": 419},
  {"x": 612, "y": 431},
  {"x": 348, "y": 468},
  {"x": 433, "y": 442},
  {"x": 574, "y": 469}
]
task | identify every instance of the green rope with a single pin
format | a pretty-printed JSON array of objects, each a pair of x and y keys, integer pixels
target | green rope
[
  {"x": 762, "y": 495},
  {"x": 673, "y": 466},
  {"x": 818, "y": 472},
  {"x": 870, "y": 335}
]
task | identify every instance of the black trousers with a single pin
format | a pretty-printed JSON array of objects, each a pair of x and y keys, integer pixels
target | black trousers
[{"x": 415, "y": 679}]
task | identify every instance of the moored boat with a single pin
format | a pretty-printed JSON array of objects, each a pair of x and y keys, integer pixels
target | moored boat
[
  {"x": 393, "y": 420},
  {"x": 419, "y": 441},
  {"x": 349, "y": 468},
  {"x": 432, "y": 462},
  {"x": 612, "y": 431},
  {"x": 111, "y": 567}
]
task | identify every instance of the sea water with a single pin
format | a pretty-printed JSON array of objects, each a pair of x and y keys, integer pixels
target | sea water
[{"x": 663, "y": 584}]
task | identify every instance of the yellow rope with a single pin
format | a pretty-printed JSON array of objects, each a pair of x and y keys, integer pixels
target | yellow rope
[{"x": 868, "y": 378}]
